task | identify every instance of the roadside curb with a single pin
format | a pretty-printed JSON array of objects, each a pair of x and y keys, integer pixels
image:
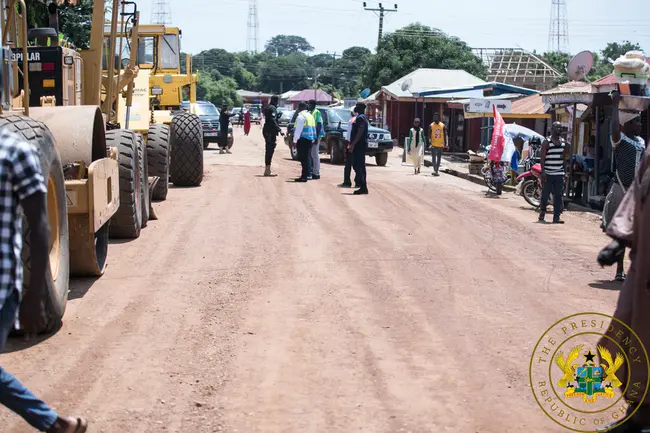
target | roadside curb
[{"x": 473, "y": 178}]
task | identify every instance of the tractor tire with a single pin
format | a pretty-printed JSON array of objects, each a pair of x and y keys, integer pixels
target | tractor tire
[
  {"x": 144, "y": 180},
  {"x": 55, "y": 294},
  {"x": 336, "y": 155},
  {"x": 186, "y": 150},
  {"x": 158, "y": 158},
  {"x": 381, "y": 159},
  {"x": 127, "y": 221}
]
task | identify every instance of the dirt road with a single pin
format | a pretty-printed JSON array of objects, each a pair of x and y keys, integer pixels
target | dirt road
[{"x": 261, "y": 305}]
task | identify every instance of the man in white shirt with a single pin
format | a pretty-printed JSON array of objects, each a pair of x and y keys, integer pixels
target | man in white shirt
[
  {"x": 347, "y": 183},
  {"x": 303, "y": 137}
]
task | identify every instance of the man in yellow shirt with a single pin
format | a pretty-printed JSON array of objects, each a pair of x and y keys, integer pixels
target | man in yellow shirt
[{"x": 438, "y": 142}]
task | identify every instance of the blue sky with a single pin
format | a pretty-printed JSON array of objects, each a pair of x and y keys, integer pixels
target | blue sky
[{"x": 333, "y": 25}]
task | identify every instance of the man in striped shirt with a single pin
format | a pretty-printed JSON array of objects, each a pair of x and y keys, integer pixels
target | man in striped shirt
[{"x": 555, "y": 151}]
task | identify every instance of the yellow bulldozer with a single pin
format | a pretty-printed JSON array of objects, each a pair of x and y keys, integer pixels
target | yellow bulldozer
[
  {"x": 79, "y": 163},
  {"x": 67, "y": 103},
  {"x": 165, "y": 145},
  {"x": 153, "y": 108}
]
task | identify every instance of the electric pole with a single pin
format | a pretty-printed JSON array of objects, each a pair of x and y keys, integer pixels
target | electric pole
[{"x": 382, "y": 11}]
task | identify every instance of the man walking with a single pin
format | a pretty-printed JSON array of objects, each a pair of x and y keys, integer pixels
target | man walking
[
  {"x": 224, "y": 122},
  {"x": 438, "y": 142},
  {"x": 303, "y": 137},
  {"x": 554, "y": 153},
  {"x": 359, "y": 146},
  {"x": 314, "y": 157},
  {"x": 22, "y": 186},
  {"x": 270, "y": 132},
  {"x": 630, "y": 227}
]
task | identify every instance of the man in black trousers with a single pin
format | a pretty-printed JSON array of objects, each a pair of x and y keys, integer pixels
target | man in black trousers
[
  {"x": 270, "y": 132},
  {"x": 359, "y": 146}
]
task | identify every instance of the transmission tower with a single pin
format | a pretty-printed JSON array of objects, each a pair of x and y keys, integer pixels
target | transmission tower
[
  {"x": 253, "y": 28},
  {"x": 558, "y": 30},
  {"x": 161, "y": 12}
]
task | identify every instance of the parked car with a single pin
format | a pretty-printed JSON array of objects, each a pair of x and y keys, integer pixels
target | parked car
[
  {"x": 335, "y": 121},
  {"x": 285, "y": 117},
  {"x": 209, "y": 115}
]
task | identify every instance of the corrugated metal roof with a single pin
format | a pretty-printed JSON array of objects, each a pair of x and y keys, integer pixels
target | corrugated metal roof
[
  {"x": 570, "y": 87},
  {"x": 607, "y": 80},
  {"x": 432, "y": 79},
  {"x": 532, "y": 104}
]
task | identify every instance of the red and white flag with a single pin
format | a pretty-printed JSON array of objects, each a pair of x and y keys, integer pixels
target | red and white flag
[{"x": 498, "y": 139}]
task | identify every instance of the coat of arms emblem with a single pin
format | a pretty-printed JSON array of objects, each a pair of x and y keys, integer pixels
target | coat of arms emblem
[{"x": 589, "y": 380}]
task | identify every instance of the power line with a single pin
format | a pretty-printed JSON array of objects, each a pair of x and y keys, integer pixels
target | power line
[
  {"x": 161, "y": 12},
  {"x": 382, "y": 11}
]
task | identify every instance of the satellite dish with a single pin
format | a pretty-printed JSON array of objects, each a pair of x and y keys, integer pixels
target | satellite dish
[
  {"x": 580, "y": 65},
  {"x": 406, "y": 84},
  {"x": 364, "y": 93}
]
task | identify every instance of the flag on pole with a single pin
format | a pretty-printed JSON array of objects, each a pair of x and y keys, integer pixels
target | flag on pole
[{"x": 498, "y": 139}]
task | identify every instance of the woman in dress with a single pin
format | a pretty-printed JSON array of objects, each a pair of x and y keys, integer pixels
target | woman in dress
[
  {"x": 247, "y": 122},
  {"x": 416, "y": 145},
  {"x": 628, "y": 151}
]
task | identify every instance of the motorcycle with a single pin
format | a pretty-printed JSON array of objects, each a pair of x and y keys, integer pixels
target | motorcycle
[{"x": 530, "y": 184}]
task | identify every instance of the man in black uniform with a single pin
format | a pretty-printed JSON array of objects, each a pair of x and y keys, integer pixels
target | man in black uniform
[
  {"x": 359, "y": 146},
  {"x": 270, "y": 132},
  {"x": 224, "y": 122}
]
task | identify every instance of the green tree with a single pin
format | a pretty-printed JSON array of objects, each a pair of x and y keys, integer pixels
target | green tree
[
  {"x": 219, "y": 92},
  {"x": 419, "y": 46},
  {"x": 284, "y": 45},
  {"x": 614, "y": 50},
  {"x": 284, "y": 73}
]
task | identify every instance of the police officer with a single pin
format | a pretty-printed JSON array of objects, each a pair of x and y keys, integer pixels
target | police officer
[{"x": 359, "y": 146}]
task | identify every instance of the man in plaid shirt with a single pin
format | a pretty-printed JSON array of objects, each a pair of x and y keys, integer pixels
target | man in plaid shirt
[{"x": 22, "y": 187}]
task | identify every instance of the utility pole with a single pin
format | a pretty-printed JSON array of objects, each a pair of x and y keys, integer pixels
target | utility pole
[{"x": 382, "y": 11}]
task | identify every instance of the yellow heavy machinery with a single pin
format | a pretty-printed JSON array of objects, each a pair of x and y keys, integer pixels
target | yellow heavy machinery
[
  {"x": 78, "y": 161},
  {"x": 155, "y": 108}
]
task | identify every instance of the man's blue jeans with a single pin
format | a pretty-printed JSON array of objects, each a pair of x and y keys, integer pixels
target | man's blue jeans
[{"x": 13, "y": 394}]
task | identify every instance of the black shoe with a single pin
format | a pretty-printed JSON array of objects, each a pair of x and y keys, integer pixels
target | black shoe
[
  {"x": 315, "y": 176},
  {"x": 541, "y": 220},
  {"x": 345, "y": 185},
  {"x": 301, "y": 179},
  {"x": 558, "y": 222},
  {"x": 361, "y": 191}
]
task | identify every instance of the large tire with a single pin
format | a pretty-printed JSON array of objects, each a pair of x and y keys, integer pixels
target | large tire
[
  {"x": 336, "y": 155},
  {"x": 158, "y": 158},
  {"x": 381, "y": 159},
  {"x": 187, "y": 150},
  {"x": 144, "y": 180},
  {"x": 58, "y": 273},
  {"x": 127, "y": 221}
]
